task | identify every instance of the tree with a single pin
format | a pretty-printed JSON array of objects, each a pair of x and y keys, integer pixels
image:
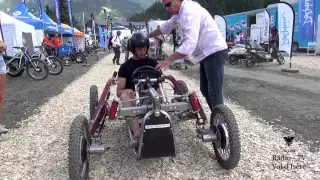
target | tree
[
  {"x": 76, "y": 23},
  {"x": 64, "y": 14},
  {"x": 50, "y": 13},
  {"x": 220, "y": 7}
]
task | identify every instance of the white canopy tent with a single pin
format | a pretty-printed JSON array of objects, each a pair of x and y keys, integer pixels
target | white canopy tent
[
  {"x": 13, "y": 30},
  {"x": 79, "y": 40},
  {"x": 153, "y": 24}
]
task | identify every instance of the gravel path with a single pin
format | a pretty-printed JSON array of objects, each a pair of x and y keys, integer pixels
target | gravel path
[
  {"x": 38, "y": 149},
  {"x": 24, "y": 95}
]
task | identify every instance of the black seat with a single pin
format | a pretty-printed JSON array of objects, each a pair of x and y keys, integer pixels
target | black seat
[{"x": 158, "y": 140}]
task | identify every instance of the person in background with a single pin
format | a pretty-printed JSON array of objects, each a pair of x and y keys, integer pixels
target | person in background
[
  {"x": 47, "y": 44},
  {"x": 201, "y": 38},
  {"x": 160, "y": 40},
  {"x": 116, "y": 44},
  {"x": 56, "y": 43},
  {"x": 124, "y": 43},
  {"x": 237, "y": 40},
  {"x": 3, "y": 72}
]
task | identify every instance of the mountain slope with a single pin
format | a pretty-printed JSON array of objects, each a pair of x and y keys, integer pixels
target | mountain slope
[{"x": 123, "y": 8}]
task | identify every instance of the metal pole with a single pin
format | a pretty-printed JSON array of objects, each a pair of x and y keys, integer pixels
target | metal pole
[{"x": 85, "y": 43}]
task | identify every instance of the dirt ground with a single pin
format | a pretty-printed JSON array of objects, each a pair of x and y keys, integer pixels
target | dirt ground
[
  {"x": 288, "y": 101},
  {"x": 24, "y": 95}
]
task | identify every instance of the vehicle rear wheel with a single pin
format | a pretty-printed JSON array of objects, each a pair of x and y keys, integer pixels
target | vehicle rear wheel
[
  {"x": 79, "y": 144},
  {"x": 183, "y": 87},
  {"x": 227, "y": 147},
  {"x": 93, "y": 99}
]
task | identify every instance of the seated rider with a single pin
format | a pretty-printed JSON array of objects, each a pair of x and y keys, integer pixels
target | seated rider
[{"x": 138, "y": 46}]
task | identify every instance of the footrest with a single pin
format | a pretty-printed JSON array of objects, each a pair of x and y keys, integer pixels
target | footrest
[
  {"x": 203, "y": 131},
  {"x": 206, "y": 135}
]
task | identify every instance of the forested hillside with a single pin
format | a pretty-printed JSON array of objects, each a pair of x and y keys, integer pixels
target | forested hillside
[
  {"x": 122, "y": 8},
  {"x": 220, "y": 7}
]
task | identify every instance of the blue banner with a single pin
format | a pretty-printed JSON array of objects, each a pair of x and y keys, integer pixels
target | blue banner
[
  {"x": 70, "y": 18},
  {"x": 70, "y": 12},
  {"x": 101, "y": 37},
  {"x": 306, "y": 19},
  {"x": 39, "y": 9},
  {"x": 56, "y": 5}
]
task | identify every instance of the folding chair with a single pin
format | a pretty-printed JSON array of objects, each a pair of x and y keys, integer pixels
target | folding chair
[{"x": 312, "y": 48}]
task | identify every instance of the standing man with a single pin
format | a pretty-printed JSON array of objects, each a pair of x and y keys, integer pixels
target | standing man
[
  {"x": 56, "y": 43},
  {"x": 47, "y": 44},
  {"x": 116, "y": 44},
  {"x": 201, "y": 37},
  {"x": 3, "y": 72},
  {"x": 160, "y": 40}
]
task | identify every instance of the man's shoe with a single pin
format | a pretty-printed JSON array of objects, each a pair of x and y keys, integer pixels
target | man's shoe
[
  {"x": 3, "y": 130},
  {"x": 135, "y": 142}
]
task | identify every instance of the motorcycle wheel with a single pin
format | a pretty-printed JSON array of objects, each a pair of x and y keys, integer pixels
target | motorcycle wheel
[
  {"x": 233, "y": 60},
  {"x": 280, "y": 59},
  {"x": 80, "y": 58},
  {"x": 249, "y": 62}
]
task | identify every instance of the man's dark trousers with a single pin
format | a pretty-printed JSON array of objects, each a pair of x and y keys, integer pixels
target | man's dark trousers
[
  {"x": 116, "y": 57},
  {"x": 211, "y": 77}
]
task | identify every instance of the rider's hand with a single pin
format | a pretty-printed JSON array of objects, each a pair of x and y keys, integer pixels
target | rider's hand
[{"x": 129, "y": 91}]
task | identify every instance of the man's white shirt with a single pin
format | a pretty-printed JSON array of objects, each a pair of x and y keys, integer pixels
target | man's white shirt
[
  {"x": 116, "y": 41},
  {"x": 199, "y": 32}
]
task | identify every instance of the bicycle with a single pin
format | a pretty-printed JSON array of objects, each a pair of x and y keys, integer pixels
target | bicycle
[
  {"x": 16, "y": 64},
  {"x": 52, "y": 61}
]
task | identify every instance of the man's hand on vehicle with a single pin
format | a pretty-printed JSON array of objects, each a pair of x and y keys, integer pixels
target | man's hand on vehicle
[{"x": 167, "y": 62}]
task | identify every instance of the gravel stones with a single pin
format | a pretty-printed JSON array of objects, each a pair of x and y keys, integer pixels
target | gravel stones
[{"x": 38, "y": 150}]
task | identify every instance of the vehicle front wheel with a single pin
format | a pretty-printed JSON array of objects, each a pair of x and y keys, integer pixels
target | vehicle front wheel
[
  {"x": 227, "y": 147},
  {"x": 79, "y": 144}
]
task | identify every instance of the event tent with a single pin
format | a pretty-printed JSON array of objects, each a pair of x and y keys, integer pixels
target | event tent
[
  {"x": 49, "y": 24},
  {"x": 21, "y": 13},
  {"x": 65, "y": 30},
  {"x": 16, "y": 33},
  {"x": 79, "y": 39},
  {"x": 125, "y": 32}
]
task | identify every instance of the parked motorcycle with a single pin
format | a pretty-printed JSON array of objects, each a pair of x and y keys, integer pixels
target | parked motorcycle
[
  {"x": 237, "y": 54},
  {"x": 258, "y": 55}
]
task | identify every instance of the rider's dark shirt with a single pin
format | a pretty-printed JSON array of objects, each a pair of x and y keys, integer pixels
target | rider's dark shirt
[{"x": 126, "y": 69}]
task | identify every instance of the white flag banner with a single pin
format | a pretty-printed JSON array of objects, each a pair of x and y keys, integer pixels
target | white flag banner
[
  {"x": 286, "y": 27},
  {"x": 318, "y": 32},
  {"x": 222, "y": 25},
  {"x": 266, "y": 28}
]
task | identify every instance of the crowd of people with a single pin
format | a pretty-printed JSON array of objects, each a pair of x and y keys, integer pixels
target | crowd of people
[{"x": 52, "y": 44}]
